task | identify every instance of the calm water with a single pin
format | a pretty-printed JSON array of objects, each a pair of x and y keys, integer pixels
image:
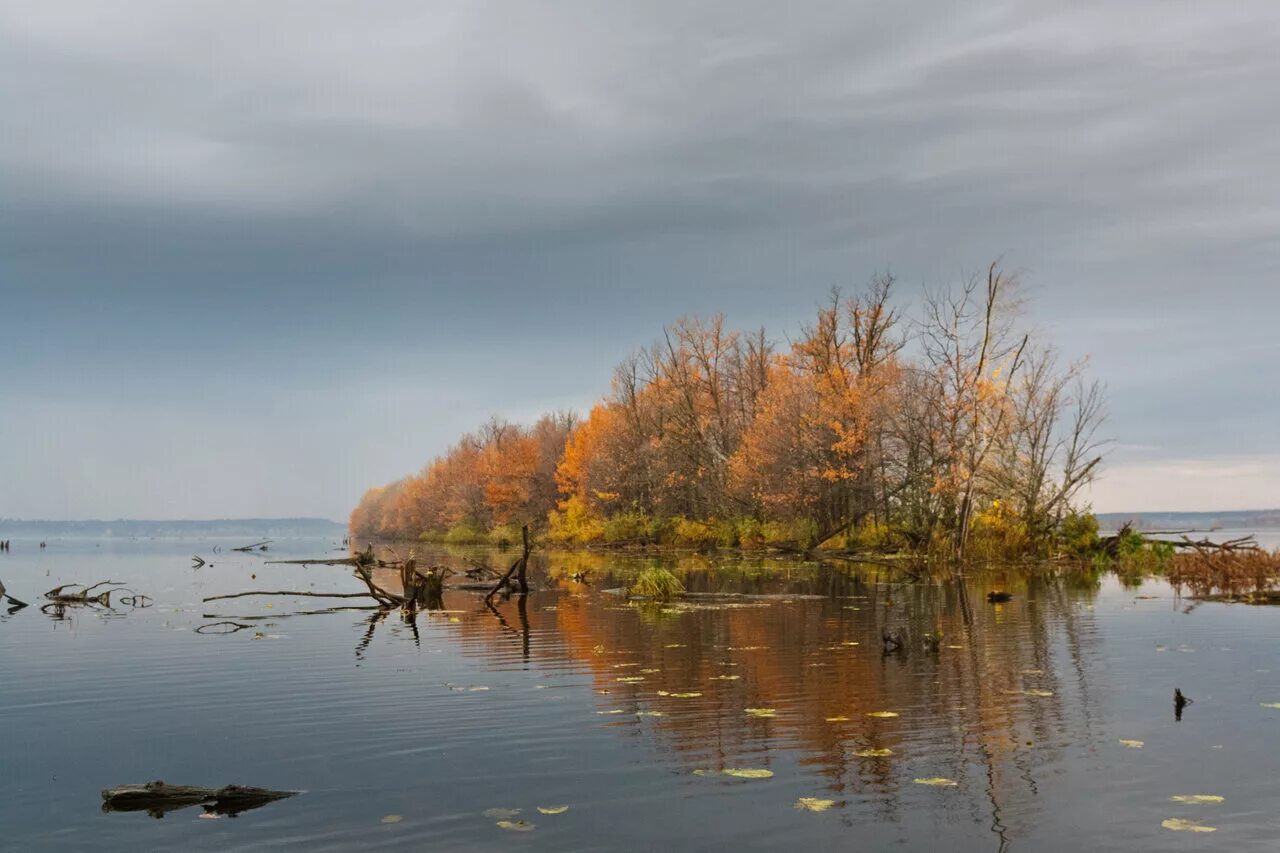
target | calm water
[{"x": 468, "y": 710}]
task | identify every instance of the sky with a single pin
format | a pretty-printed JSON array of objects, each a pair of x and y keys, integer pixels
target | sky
[{"x": 256, "y": 257}]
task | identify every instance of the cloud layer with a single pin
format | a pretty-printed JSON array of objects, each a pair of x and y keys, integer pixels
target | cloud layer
[{"x": 305, "y": 243}]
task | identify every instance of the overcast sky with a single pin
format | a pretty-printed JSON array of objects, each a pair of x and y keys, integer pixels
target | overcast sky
[{"x": 255, "y": 257}]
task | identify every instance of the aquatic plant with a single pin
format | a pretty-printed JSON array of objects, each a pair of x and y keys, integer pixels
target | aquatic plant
[{"x": 655, "y": 583}]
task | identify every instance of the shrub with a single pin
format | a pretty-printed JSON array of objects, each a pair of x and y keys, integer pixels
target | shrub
[
  {"x": 626, "y": 527},
  {"x": 1078, "y": 534},
  {"x": 694, "y": 534},
  {"x": 505, "y": 535},
  {"x": 465, "y": 533},
  {"x": 574, "y": 522}
]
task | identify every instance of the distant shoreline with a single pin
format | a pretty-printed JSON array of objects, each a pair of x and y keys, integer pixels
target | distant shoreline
[{"x": 155, "y": 528}]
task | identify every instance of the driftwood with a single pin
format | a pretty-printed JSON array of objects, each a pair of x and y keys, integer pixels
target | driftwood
[
  {"x": 157, "y": 798},
  {"x": 84, "y": 596},
  {"x": 518, "y": 568},
  {"x": 197, "y": 562},
  {"x": 288, "y": 592},
  {"x": 15, "y": 604},
  {"x": 256, "y": 546}
]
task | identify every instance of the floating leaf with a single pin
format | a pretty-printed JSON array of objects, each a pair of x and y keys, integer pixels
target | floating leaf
[
  {"x": 955, "y": 647},
  {"x": 745, "y": 648},
  {"x": 632, "y": 679},
  {"x": 1132, "y": 744},
  {"x": 761, "y": 712},
  {"x": 516, "y": 825},
  {"x": 674, "y": 646},
  {"x": 650, "y": 671},
  {"x": 454, "y": 619},
  {"x": 883, "y": 715},
  {"x": 624, "y": 665},
  {"x": 726, "y": 677},
  {"x": 691, "y": 695},
  {"x": 813, "y": 804},
  {"x": 873, "y": 753},
  {"x": 1197, "y": 799},
  {"x": 838, "y": 719},
  {"x": 477, "y": 689},
  {"x": 650, "y": 714},
  {"x": 393, "y": 818},
  {"x": 937, "y": 781},
  {"x": 553, "y": 809},
  {"x": 1041, "y": 693},
  {"x": 1033, "y": 672},
  {"x": 748, "y": 773},
  {"x": 1177, "y": 824},
  {"x": 1273, "y": 705},
  {"x": 614, "y": 711},
  {"x": 501, "y": 813}
]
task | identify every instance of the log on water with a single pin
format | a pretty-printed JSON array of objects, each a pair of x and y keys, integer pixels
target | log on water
[{"x": 157, "y": 798}]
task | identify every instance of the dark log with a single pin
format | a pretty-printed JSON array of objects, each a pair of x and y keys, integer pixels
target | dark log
[
  {"x": 256, "y": 546},
  {"x": 520, "y": 565},
  {"x": 291, "y": 592},
  {"x": 157, "y": 798}
]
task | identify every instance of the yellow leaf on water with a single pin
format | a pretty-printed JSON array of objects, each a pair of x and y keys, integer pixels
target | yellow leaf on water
[
  {"x": 501, "y": 813},
  {"x": 454, "y": 619},
  {"x": 553, "y": 809},
  {"x": 630, "y": 679},
  {"x": 1038, "y": 692},
  {"x": 393, "y": 818},
  {"x": 691, "y": 695},
  {"x": 761, "y": 712},
  {"x": 726, "y": 677},
  {"x": 614, "y": 711},
  {"x": 883, "y": 715},
  {"x": 748, "y": 773},
  {"x": 1197, "y": 799},
  {"x": 516, "y": 825},
  {"x": 813, "y": 804},
  {"x": 937, "y": 781},
  {"x": 840, "y": 719},
  {"x": 1273, "y": 705},
  {"x": 674, "y": 646},
  {"x": 873, "y": 753},
  {"x": 1132, "y": 744},
  {"x": 650, "y": 671},
  {"x": 650, "y": 714},
  {"x": 1177, "y": 824}
]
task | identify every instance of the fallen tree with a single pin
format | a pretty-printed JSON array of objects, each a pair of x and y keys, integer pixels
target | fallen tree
[{"x": 158, "y": 798}]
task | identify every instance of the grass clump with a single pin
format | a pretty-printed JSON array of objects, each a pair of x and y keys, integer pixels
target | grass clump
[{"x": 658, "y": 584}]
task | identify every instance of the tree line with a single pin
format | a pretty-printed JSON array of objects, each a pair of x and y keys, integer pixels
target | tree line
[{"x": 951, "y": 429}]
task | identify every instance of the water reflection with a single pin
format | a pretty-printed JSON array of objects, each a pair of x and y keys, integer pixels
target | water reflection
[
  {"x": 764, "y": 660},
  {"x": 694, "y": 724}
]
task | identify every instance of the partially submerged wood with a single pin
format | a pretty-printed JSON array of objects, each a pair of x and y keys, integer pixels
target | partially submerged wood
[
  {"x": 157, "y": 798},
  {"x": 256, "y": 546},
  {"x": 519, "y": 568},
  {"x": 15, "y": 604}
]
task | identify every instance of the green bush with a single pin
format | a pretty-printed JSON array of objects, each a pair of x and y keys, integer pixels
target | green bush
[
  {"x": 1078, "y": 534},
  {"x": 505, "y": 535},
  {"x": 626, "y": 527},
  {"x": 465, "y": 533}
]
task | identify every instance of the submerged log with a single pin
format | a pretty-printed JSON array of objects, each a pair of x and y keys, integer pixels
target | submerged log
[{"x": 157, "y": 798}]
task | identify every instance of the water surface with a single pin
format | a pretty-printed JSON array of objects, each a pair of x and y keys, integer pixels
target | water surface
[{"x": 559, "y": 701}]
